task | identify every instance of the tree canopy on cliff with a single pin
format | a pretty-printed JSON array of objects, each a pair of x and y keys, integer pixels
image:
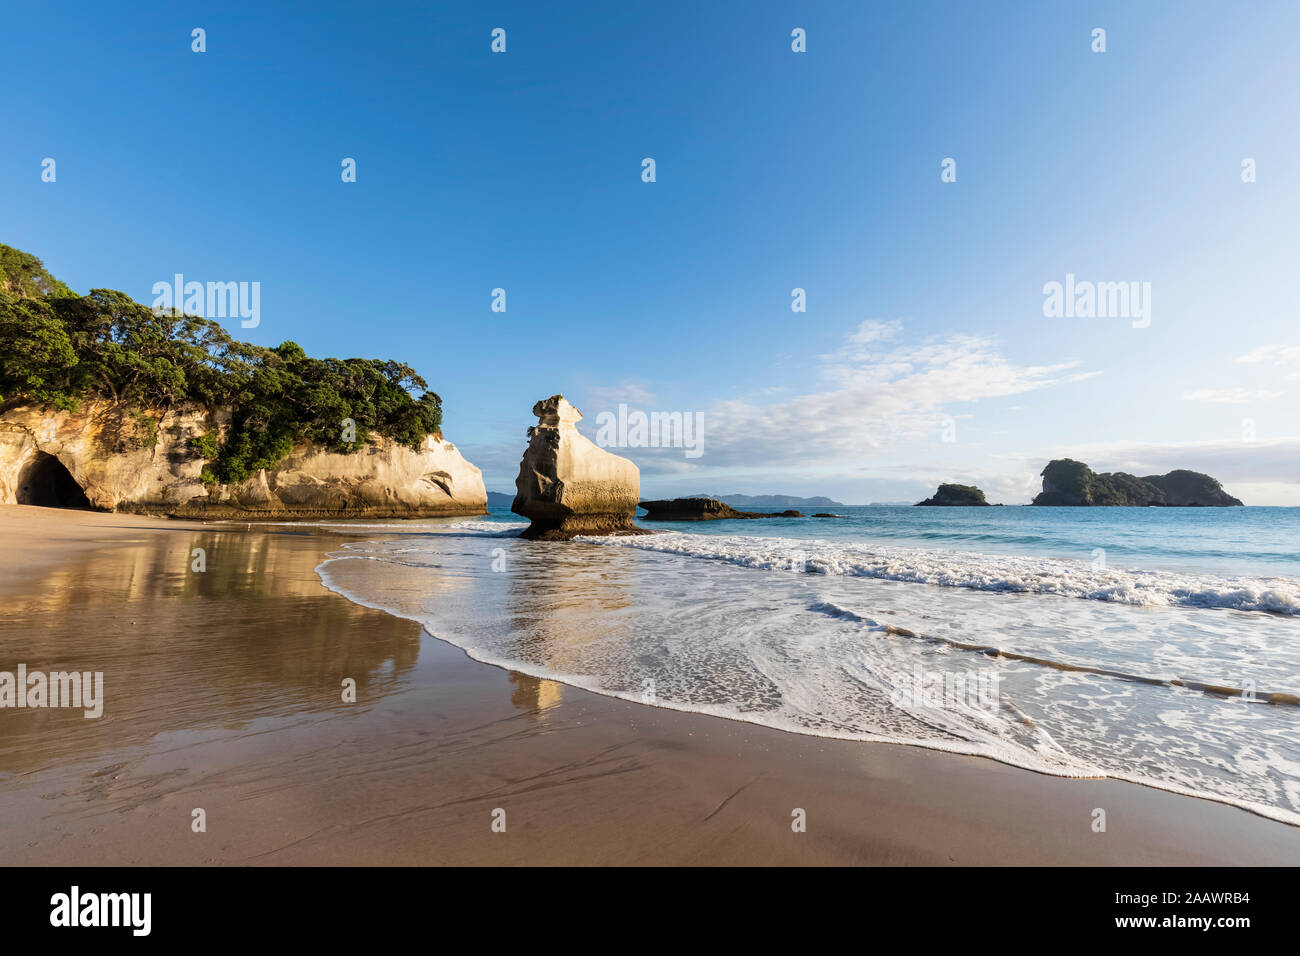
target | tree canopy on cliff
[
  {"x": 21, "y": 273},
  {"x": 59, "y": 348}
]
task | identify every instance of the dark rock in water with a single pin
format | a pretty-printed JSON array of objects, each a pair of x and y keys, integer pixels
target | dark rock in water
[
  {"x": 774, "y": 501},
  {"x": 822, "y": 514},
  {"x": 687, "y": 509},
  {"x": 1072, "y": 483},
  {"x": 702, "y": 509},
  {"x": 956, "y": 496}
]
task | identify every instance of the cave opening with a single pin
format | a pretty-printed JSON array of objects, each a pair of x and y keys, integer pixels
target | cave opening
[{"x": 47, "y": 483}]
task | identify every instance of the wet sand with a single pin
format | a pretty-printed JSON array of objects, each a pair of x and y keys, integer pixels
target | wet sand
[{"x": 223, "y": 692}]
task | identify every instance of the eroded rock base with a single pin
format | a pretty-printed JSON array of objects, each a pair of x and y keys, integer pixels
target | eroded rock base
[{"x": 573, "y": 527}]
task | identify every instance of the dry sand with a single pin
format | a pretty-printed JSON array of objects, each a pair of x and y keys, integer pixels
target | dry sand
[{"x": 223, "y": 693}]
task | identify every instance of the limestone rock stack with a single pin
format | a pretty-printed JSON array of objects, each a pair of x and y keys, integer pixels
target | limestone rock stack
[{"x": 567, "y": 485}]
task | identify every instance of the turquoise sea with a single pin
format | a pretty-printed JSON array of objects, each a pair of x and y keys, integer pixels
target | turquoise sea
[{"x": 1215, "y": 540}]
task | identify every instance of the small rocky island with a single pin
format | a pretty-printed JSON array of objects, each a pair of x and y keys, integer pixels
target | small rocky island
[
  {"x": 955, "y": 496},
  {"x": 1072, "y": 483},
  {"x": 703, "y": 509}
]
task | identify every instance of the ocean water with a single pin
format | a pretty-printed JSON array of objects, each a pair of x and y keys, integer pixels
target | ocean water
[{"x": 1155, "y": 645}]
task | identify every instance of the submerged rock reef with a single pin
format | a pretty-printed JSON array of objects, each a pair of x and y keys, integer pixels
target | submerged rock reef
[{"x": 568, "y": 485}]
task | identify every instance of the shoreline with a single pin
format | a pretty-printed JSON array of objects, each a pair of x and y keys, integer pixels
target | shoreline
[{"x": 234, "y": 708}]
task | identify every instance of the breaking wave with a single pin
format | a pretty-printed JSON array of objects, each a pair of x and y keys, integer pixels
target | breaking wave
[{"x": 981, "y": 572}]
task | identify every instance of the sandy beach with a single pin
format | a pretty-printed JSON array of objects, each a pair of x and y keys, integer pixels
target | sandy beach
[{"x": 222, "y": 692}]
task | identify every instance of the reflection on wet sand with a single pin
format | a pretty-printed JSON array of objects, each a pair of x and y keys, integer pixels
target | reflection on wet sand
[
  {"x": 534, "y": 695},
  {"x": 559, "y": 611},
  {"x": 175, "y": 657}
]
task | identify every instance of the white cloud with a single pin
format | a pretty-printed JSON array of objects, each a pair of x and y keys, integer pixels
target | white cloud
[
  {"x": 1229, "y": 396},
  {"x": 874, "y": 330},
  {"x": 1283, "y": 355},
  {"x": 609, "y": 397},
  {"x": 871, "y": 401},
  {"x": 1278, "y": 493}
]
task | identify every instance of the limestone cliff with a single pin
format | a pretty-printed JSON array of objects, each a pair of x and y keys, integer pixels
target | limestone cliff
[
  {"x": 568, "y": 485},
  {"x": 123, "y": 462}
]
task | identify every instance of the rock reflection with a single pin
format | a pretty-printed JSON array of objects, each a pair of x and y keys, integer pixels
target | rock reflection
[
  {"x": 562, "y": 614},
  {"x": 534, "y": 695}
]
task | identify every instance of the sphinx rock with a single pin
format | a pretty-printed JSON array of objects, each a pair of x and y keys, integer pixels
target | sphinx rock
[
  {"x": 102, "y": 457},
  {"x": 567, "y": 485}
]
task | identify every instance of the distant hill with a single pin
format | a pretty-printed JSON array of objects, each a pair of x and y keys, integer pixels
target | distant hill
[
  {"x": 498, "y": 499},
  {"x": 774, "y": 501}
]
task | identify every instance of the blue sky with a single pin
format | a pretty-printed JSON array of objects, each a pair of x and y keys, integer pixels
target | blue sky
[{"x": 774, "y": 170}]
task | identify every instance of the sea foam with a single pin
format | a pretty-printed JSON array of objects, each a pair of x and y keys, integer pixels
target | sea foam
[{"x": 981, "y": 572}]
